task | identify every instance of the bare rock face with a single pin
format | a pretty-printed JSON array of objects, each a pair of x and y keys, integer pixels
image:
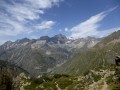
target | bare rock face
[{"x": 41, "y": 56}]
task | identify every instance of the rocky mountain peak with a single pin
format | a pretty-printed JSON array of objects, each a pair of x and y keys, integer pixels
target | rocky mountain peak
[
  {"x": 45, "y": 38},
  {"x": 22, "y": 40},
  {"x": 59, "y": 38},
  {"x": 8, "y": 42},
  {"x": 6, "y": 45}
]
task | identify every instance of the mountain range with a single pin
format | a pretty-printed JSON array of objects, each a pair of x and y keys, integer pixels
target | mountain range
[
  {"x": 59, "y": 54},
  {"x": 59, "y": 63},
  {"x": 43, "y": 55}
]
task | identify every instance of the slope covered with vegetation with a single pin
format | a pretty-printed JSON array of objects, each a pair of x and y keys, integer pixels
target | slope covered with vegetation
[
  {"x": 96, "y": 79},
  {"x": 93, "y": 58}
]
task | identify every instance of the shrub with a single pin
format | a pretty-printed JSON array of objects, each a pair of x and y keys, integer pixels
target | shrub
[
  {"x": 86, "y": 73},
  {"x": 57, "y": 76},
  {"x": 116, "y": 88},
  {"x": 96, "y": 77},
  {"x": 60, "y": 75},
  {"x": 49, "y": 85},
  {"x": 64, "y": 82},
  {"x": 5, "y": 81},
  {"x": 109, "y": 79},
  {"x": 38, "y": 81}
]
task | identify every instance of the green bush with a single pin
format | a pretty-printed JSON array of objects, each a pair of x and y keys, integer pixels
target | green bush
[
  {"x": 57, "y": 76},
  {"x": 49, "y": 86},
  {"x": 116, "y": 88},
  {"x": 86, "y": 72},
  {"x": 45, "y": 78},
  {"x": 38, "y": 81},
  {"x": 109, "y": 79},
  {"x": 96, "y": 77},
  {"x": 60, "y": 75},
  {"x": 5, "y": 81},
  {"x": 64, "y": 82}
]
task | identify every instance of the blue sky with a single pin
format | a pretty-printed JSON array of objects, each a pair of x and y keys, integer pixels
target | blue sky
[{"x": 73, "y": 18}]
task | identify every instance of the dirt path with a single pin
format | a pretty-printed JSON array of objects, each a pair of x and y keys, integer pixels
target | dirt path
[
  {"x": 105, "y": 86},
  {"x": 101, "y": 84}
]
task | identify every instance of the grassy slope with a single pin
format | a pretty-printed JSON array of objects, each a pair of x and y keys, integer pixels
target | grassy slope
[{"x": 95, "y": 57}]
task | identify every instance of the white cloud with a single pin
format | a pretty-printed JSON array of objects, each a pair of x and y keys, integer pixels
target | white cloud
[
  {"x": 103, "y": 33},
  {"x": 89, "y": 27},
  {"x": 16, "y": 16},
  {"x": 10, "y": 27},
  {"x": 19, "y": 17},
  {"x": 60, "y": 30},
  {"x": 28, "y": 9},
  {"x": 66, "y": 29},
  {"x": 44, "y": 25}
]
